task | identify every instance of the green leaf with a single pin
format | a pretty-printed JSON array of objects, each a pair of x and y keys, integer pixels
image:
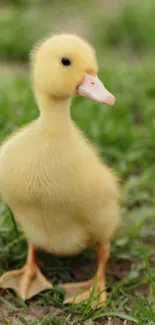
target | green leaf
[
  {"x": 5, "y": 321},
  {"x": 117, "y": 314},
  {"x": 23, "y": 320}
]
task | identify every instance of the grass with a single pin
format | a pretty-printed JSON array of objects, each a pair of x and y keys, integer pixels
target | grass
[
  {"x": 18, "y": 25},
  {"x": 125, "y": 135},
  {"x": 129, "y": 28}
]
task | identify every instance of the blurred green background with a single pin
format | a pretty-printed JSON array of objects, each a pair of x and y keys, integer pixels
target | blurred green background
[{"x": 123, "y": 33}]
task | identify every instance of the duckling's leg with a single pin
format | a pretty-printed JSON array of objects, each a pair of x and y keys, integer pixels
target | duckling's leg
[
  {"x": 96, "y": 286},
  {"x": 27, "y": 281}
]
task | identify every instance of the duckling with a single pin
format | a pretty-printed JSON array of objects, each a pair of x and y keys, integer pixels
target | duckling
[{"x": 52, "y": 178}]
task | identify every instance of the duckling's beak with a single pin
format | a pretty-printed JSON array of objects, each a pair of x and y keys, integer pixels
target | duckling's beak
[{"x": 93, "y": 88}]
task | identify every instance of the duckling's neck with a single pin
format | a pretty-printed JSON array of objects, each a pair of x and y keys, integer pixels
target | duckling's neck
[{"x": 54, "y": 112}]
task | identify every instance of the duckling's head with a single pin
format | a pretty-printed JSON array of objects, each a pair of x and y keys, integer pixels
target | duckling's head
[{"x": 65, "y": 65}]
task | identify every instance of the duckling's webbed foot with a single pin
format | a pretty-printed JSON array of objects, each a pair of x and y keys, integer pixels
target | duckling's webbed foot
[
  {"x": 29, "y": 280},
  {"x": 95, "y": 288}
]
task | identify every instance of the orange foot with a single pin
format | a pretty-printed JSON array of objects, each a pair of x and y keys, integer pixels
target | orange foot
[
  {"x": 96, "y": 287},
  {"x": 28, "y": 281}
]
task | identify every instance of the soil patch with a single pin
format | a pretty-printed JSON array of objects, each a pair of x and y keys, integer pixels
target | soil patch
[{"x": 82, "y": 268}]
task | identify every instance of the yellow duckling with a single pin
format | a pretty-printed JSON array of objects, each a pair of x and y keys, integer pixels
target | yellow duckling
[{"x": 52, "y": 178}]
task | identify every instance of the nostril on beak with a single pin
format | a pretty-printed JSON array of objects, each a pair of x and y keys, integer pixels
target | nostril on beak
[{"x": 92, "y": 83}]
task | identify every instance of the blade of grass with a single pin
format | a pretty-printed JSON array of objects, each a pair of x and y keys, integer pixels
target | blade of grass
[
  {"x": 8, "y": 304},
  {"x": 116, "y": 314},
  {"x": 140, "y": 306},
  {"x": 148, "y": 268}
]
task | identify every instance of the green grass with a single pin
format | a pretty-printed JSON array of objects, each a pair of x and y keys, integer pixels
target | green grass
[
  {"x": 125, "y": 134},
  {"x": 19, "y": 32},
  {"x": 128, "y": 28},
  {"x": 22, "y": 26}
]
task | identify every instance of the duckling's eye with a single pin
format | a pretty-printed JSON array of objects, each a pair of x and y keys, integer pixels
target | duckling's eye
[{"x": 65, "y": 62}]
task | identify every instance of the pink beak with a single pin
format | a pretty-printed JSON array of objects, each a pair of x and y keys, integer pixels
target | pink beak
[{"x": 94, "y": 89}]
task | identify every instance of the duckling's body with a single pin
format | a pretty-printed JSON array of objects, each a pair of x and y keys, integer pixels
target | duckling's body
[
  {"x": 57, "y": 187},
  {"x": 52, "y": 178}
]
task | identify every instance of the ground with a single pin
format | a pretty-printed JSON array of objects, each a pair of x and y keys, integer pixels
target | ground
[{"x": 124, "y": 39}]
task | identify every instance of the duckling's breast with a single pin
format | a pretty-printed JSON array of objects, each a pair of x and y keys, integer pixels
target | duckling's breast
[
  {"x": 37, "y": 182},
  {"x": 56, "y": 232}
]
